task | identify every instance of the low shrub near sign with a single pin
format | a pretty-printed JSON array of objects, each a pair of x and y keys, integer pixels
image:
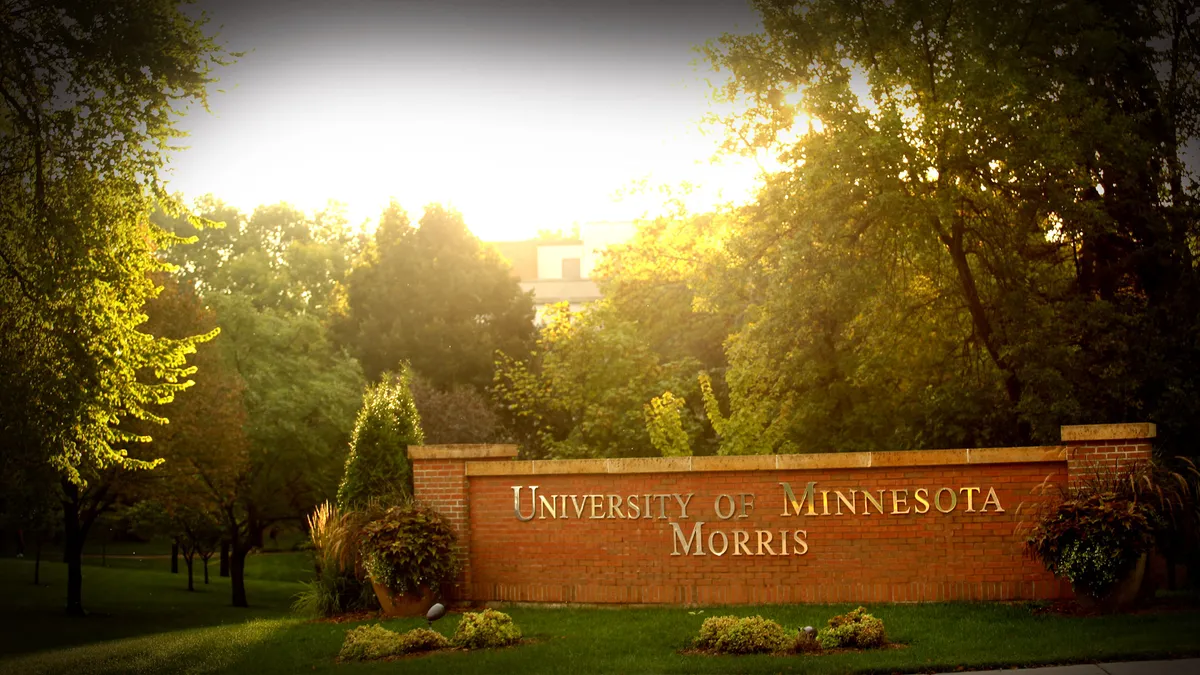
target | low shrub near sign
[
  {"x": 854, "y": 629},
  {"x": 755, "y": 635},
  {"x": 489, "y": 628},
  {"x": 409, "y": 547},
  {"x": 367, "y": 643}
]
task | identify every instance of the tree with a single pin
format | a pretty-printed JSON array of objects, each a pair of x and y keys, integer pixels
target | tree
[
  {"x": 377, "y": 466},
  {"x": 980, "y": 235},
  {"x": 434, "y": 297},
  {"x": 89, "y": 95}
]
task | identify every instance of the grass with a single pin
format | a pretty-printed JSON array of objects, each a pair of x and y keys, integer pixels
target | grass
[{"x": 152, "y": 625}]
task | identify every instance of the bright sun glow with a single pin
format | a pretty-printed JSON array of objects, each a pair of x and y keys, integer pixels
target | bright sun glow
[{"x": 516, "y": 145}]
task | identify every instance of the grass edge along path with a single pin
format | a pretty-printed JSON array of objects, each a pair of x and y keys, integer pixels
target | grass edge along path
[{"x": 643, "y": 640}]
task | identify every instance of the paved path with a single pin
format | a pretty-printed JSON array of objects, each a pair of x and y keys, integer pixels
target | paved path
[{"x": 1176, "y": 667}]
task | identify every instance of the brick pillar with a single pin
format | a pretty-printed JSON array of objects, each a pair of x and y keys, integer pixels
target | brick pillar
[
  {"x": 1105, "y": 448},
  {"x": 440, "y": 481}
]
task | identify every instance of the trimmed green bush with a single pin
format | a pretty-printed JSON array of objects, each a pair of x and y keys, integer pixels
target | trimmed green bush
[
  {"x": 488, "y": 628},
  {"x": 751, "y": 635},
  {"x": 377, "y": 466},
  {"x": 712, "y": 628},
  {"x": 852, "y": 629},
  {"x": 367, "y": 643}
]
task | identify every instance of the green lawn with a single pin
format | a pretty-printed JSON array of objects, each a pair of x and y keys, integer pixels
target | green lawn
[{"x": 149, "y": 624}]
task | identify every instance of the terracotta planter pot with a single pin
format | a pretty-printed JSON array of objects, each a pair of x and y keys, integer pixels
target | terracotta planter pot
[
  {"x": 1122, "y": 596},
  {"x": 403, "y": 604}
]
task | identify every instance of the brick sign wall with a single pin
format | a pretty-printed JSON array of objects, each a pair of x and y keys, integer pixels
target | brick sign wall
[{"x": 855, "y": 527}]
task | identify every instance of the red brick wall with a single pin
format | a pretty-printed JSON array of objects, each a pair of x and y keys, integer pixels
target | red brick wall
[{"x": 853, "y": 558}]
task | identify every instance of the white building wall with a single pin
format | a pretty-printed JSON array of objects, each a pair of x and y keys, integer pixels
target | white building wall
[
  {"x": 599, "y": 236},
  {"x": 549, "y": 260}
]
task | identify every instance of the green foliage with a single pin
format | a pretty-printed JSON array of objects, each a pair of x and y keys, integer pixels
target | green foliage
[
  {"x": 482, "y": 630},
  {"x": 461, "y": 414},
  {"x": 854, "y": 629},
  {"x": 377, "y": 466},
  {"x": 665, "y": 426},
  {"x": 336, "y": 587},
  {"x": 409, "y": 547},
  {"x": 368, "y": 643},
  {"x": 433, "y": 297},
  {"x": 749, "y": 635},
  {"x": 584, "y": 392},
  {"x": 88, "y": 118}
]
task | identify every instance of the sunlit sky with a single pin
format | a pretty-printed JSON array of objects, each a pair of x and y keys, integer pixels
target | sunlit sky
[{"x": 522, "y": 115}]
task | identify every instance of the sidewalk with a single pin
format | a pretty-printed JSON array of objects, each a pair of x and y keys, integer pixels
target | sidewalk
[{"x": 1175, "y": 667}]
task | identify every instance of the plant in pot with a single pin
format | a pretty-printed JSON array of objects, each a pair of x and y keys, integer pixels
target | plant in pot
[
  {"x": 408, "y": 552},
  {"x": 1098, "y": 534}
]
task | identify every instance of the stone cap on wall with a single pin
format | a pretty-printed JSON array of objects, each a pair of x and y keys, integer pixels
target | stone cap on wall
[
  {"x": 832, "y": 460},
  {"x": 1108, "y": 432},
  {"x": 463, "y": 451}
]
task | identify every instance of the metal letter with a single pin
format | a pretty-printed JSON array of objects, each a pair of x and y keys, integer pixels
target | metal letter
[{"x": 532, "y": 502}]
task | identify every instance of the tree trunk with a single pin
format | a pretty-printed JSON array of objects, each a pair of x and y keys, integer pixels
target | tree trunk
[
  {"x": 187, "y": 559},
  {"x": 237, "y": 573},
  {"x": 73, "y": 534},
  {"x": 174, "y": 557},
  {"x": 224, "y": 559},
  {"x": 206, "y": 569},
  {"x": 37, "y": 565}
]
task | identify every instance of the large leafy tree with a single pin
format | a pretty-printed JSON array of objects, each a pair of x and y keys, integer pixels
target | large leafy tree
[
  {"x": 272, "y": 281},
  {"x": 89, "y": 94},
  {"x": 986, "y": 230},
  {"x": 435, "y": 297}
]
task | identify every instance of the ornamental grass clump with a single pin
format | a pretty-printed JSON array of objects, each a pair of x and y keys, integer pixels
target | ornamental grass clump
[
  {"x": 854, "y": 629},
  {"x": 750, "y": 635},
  {"x": 489, "y": 628}
]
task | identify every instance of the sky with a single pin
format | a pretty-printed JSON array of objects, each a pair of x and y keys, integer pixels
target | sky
[{"x": 522, "y": 115}]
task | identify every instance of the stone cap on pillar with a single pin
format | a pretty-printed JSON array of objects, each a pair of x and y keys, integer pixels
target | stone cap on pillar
[
  {"x": 463, "y": 451},
  {"x": 1091, "y": 433}
]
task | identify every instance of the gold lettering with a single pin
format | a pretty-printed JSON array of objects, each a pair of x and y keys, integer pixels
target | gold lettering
[
  {"x": 740, "y": 539},
  {"x": 937, "y": 499},
  {"x": 696, "y": 536},
  {"x": 724, "y": 543},
  {"x": 921, "y": 498},
  {"x": 597, "y": 506},
  {"x": 824, "y": 502},
  {"x": 848, "y": 502},
  {"x": 809, "y": 496},
  {"x": 662, "y": 506},
  {"x": 898, "y": 501},
  {"x": 765, "y": 544},
  {"x": 970, "y": 494},
  {"x": 635, "y": 508},
  {"x": 563, "y": 512},
  {"x": 868, "y": 499},
  {"x": 801, "y": 545},
  {"x": 992, "y": 498},
  {"x": 532, "y": 502},
  {"x": 783, "y": 542},
  {"x": 647, "y": 511},
  {"x": 745, "y": 504},
  {"x": 614, "y": 506},
  {"x": 550, "y": 505},
  {"x": 717, "y": 507},
  {"x": 683, "y": 504},
  {"x": 579, "y": 506}
]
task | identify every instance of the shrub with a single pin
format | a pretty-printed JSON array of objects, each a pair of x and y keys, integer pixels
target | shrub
[
  {"x": 488, "y": 628},
  {"x": 751, "y": 635},
  {"x": 852, "y": 629},
  {"x": 377, "y": 466},
  {"x": 1094, "y": 534},
  {"x": 712, "y": 628},
  {"x": 367, "y": 643},
  {"x": 408, "y": 547}
]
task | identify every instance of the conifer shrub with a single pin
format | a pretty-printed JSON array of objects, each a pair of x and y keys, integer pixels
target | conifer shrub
[
  {"x": 377, "y": 466},
  {"x": 489, "y": 628},
  {"x": 856, "y": 628}
]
